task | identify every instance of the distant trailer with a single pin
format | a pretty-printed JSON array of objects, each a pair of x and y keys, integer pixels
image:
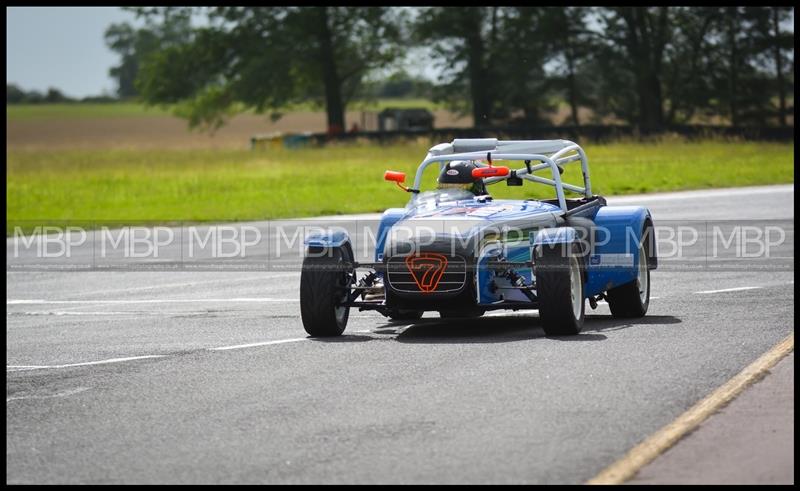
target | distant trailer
[
  {"x": 395, "y": 119},
  {"x": 279, "y": 139}
]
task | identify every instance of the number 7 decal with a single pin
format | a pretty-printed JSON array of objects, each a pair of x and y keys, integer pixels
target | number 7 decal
[{"x": 427, "y": 270}]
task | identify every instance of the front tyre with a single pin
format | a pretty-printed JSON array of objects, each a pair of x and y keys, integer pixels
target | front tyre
[
  {"x": 324, "y": 285},
  {"x": 560, "y": 287}
]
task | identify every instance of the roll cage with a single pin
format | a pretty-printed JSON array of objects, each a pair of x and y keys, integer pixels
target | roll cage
[{"x": 551, "y": 153}]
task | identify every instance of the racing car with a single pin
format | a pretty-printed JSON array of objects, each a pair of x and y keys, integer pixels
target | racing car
[{"x": 457, "y": 251}]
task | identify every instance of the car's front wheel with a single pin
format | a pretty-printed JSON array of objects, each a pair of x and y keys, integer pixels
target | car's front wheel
[
  {"x": 560, "y": 287},
  {"x": 324, "y": 286}
]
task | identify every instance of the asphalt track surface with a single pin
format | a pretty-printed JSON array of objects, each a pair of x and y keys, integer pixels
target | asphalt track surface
[{"x": 118, "y": 376}]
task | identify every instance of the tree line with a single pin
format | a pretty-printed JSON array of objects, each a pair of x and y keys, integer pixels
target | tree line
[
  {"x": 17, "y": 95},
  {"x": 648, "y": 66}
]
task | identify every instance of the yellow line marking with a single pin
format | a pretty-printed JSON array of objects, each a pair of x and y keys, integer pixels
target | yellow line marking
[{"x": 645, "y": 452}]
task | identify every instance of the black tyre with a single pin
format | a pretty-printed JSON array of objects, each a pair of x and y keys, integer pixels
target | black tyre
[
  {"x": 632, "y": 299},
  {"x": 324, "y": 284},
  {"x": 405, "y": 315},
  {"x": 560, "y": 287}
]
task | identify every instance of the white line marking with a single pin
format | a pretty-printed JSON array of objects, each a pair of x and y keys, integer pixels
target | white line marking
[
  {"x": 20, "y": 368},
  {"x": 60, "y": 394},
  {"x": 702, "y": 193},
  {"x": 17, "y": 368},
  {"x": 253, "y": 345},
  {"x": 158, "y": 300},
  {"x": 144, "y": 313},
  {"x": 191, "y": 283},
  {"x": 68, "y": 312},
  {"x": 738, "y": 289}
]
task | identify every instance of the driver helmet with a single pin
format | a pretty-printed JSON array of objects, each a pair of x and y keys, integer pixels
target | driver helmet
[{"x": 457, "y": 174}]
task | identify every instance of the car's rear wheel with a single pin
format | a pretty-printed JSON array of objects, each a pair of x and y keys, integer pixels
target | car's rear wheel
[
  {"x": 324, "y": 286},
  {"x": 632, "y": 299},
  {"x": 560, "y": 287}
]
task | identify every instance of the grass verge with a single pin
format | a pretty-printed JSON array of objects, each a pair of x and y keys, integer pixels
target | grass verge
[{"x": 158, "y": 186}]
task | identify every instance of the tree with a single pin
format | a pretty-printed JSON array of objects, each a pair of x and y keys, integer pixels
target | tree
[
  {"x": 781, "y": 42},
  {"x": 638, "y": 36},
  {"x": 55, "y": 95},
  {"x": 688, "y": 80},
  {"x": 744, "y": 89},
  {"x": 772, "y": 45},
  {"x": 134, "y": 44},
  {"x": 464, "y": 39},
  {"x": 572, "y": 44},
  {"x": 678, "y": 61},
  {"x": 526, "y": 40},
  {"x": 122, "y": 38},
  {"x": 14, "y": 95},
  {"x": 266, "y": 58}
]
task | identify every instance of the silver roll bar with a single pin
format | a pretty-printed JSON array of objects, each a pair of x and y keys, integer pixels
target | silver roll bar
[{"x": 515, "y": 150}]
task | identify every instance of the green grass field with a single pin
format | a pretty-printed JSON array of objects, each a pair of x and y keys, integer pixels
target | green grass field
[
  {"x": 122, "y": 186},
  {"x": 26, "y": 112}
]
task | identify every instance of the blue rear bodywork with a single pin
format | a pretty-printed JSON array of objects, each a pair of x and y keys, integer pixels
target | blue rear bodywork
[
  {"x": 611, "y": 262},
  {"x": 508, "y": 230}
]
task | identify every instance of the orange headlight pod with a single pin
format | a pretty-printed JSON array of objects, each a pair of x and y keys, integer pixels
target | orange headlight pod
[{"x": 484, "y": 172}]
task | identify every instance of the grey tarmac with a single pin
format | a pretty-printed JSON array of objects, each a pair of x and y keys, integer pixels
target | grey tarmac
[{"x": 113, "y": 376}]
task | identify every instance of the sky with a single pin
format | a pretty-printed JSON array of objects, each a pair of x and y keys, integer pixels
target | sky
[
  {"x": 61, "y": 47},
  {"x": 64, "y": 47}
]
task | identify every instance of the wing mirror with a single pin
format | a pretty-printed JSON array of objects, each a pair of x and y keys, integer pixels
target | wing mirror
[{"x": 398, "y": 177}]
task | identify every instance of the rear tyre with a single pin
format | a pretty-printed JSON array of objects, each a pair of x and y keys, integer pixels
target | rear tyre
[
  {"x": 560, "y": 287},
  {"x": 632, "y": 299},
  {"x": 324, "y": 285}
]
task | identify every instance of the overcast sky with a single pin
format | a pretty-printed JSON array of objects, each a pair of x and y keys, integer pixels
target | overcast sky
[{"x": 61, "y": 47}]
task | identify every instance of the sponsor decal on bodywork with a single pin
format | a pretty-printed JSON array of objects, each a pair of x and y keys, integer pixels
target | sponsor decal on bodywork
[{"x": 611, "y": 260}]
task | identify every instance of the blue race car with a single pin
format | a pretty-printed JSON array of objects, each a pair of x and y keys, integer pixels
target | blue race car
[{"x": 458, "y": 251}]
